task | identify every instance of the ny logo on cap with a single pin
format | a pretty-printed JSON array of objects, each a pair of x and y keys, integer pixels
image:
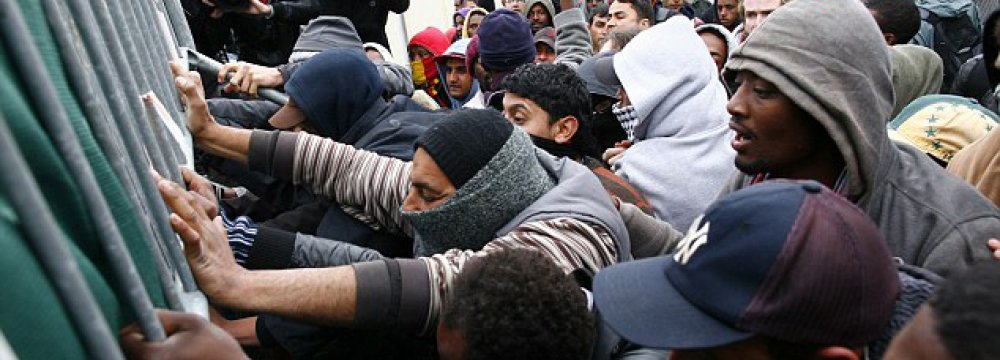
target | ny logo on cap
[{"x": 695, "y": 238}]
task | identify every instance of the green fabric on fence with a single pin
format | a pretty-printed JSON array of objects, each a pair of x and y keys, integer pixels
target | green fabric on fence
[
  {"x": 56, "y": 183},
  {"x": 32, "y": 318},
  {"x": 121, "y": 207}
]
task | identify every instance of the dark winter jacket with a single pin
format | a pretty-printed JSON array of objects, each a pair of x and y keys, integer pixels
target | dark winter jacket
[
  {"x": 369, "y": 16},
  {"x": 978, "y": 78},
  {"x": 972, "y": 81},
  {"x": 385, "y": 128}
]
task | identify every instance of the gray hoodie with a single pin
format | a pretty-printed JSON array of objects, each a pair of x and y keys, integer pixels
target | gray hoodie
[
  {"x": 681, "y": 155},
  {"x": 916, "y": 71},
  {"x": 728, "y": 36},
  {"x": 844, "y": 81},
  {"x": 572, "y": 38},
  {"x": 546, "y": 3}
]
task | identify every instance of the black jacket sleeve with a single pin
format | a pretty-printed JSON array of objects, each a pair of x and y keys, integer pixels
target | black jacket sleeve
[
  {"x": 299, "y": 11},
  {"x": 272, "y": 153},
  {"x": 392, "y": 294},
  {"x": 272, "y": 249},
  {"x": 247, "y": 114},
  {"x": 398, "y": 6}
]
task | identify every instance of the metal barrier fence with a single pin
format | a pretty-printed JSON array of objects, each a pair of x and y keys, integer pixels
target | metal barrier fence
[{"x": 113, "y": 53}]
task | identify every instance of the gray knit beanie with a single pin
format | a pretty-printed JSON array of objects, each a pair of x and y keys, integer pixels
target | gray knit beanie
[{"x": 327, "y": 32}]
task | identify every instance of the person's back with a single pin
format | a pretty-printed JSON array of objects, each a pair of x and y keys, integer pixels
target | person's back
[
  {"x": 978, "y": 78},
  {"x": 972, "y": 81}
]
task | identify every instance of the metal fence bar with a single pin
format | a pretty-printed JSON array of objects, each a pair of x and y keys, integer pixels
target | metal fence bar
[
  {"x": 179, "y": 23},
  {"x": 77, "y": 63},
  {"x": 51, "y": 112},
  {"x": 140, "y": 57},
  {"x": 133, "y": 134},
  {"x": 125, "y": 60},
  {"x": 162, "y": 49}
]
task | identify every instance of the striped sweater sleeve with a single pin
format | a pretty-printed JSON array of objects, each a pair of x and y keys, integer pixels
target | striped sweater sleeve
[
  {"x": 375, "y": 184},
  {"x": 570, "y": 243}
]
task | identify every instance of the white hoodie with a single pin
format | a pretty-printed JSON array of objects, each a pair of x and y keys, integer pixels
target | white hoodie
[{"x": 682, "y": 154}]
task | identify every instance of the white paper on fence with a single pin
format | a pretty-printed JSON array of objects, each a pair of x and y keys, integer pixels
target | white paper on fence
[
  {"x": 168, "y": 34},
  {"x": 6, "y": 353},
  {"x": 185, "y": 143}
]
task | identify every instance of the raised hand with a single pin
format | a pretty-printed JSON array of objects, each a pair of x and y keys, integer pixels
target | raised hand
[
  {"x": 205, "y": 243},
  {"x": 248, "y": 77},
  {"x": 188, "y": 83}
]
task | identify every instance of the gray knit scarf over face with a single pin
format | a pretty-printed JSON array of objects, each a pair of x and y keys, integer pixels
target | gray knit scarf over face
[
  {"x": 511, "y": 181},
  {"x": 627, "y": 117}
]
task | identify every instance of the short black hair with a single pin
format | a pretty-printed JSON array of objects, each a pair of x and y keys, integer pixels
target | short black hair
[
  {"x": 599, "y": 10},
  {"x": 643, "y": 8},
  {"x": 965, "y": 312},
  {"x": 517, "y": 304},
  {"x": 561, "y": 92},
  {"x": 898, "y": 17}
]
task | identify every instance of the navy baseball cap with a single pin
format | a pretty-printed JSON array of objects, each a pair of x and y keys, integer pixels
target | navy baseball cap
[{"x": 787, "y": 260}]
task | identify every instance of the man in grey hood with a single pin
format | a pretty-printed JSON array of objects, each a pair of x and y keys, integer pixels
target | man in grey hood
[
  {"x": 673, "y": 111},
  {"x": 813, "y": 104},
  {"x": 723, "y": 46},
  {"x": 540, "y": 14},
  {"x": 916, "y": 71}
]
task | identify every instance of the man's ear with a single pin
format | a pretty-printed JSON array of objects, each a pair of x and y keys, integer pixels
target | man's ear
[
  {"x": 837, "y": 353},
  {"x": 890, "y": 38},
  {"x": 563, "y": 129},
  {"x": 644, "y": 23}
]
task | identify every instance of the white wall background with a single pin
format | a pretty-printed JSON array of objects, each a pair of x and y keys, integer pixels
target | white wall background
[{"x": 422, "y": 13}]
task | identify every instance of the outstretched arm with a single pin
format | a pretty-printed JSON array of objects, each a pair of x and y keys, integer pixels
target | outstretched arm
[{"x": 572, "y": 36}]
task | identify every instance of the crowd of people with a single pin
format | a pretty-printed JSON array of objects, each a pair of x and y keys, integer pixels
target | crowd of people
[{"x": 625, "y": 179}]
